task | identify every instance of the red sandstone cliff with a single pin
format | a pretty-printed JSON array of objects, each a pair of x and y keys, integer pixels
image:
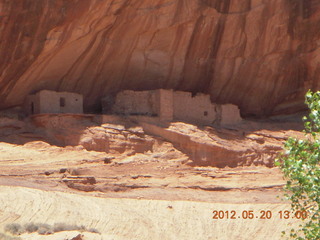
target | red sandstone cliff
[{"x": 259, "y": 54}]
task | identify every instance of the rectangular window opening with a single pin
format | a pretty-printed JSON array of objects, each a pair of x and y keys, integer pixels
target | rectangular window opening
[{"x": 62, "y": 102}]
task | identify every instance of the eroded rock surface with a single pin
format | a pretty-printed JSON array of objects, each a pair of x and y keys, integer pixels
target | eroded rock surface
[
  {"x": 258, "y": 54},
  {"x": 83, "y": 130},
  {"x": 245, "y": 144}
]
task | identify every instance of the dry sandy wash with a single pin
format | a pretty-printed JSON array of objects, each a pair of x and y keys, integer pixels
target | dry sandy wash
[{"x": 135, "y": 178}]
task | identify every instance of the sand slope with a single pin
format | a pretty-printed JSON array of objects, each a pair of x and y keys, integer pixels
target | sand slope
[{"x": 138, "y": 219}]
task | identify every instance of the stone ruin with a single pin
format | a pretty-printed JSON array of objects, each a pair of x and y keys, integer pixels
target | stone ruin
[
  {"x": 46, "y": 101},
  {"x": 168, "y": 105},
  {"x": 171, "y": 105}
]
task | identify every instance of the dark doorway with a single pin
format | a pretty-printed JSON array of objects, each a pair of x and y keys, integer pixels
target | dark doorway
[{"x": 32, "y": 108}]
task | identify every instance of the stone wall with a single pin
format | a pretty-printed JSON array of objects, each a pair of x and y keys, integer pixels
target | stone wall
[
  {"x": 165, "y": 100},
  {"x": 171, "y": 105},
  {"x": 47, "y": 101},
  {"x": 135, "y": 103},
  {"x": 197, "y": 109},
  {"x": 230, "y": 114}
]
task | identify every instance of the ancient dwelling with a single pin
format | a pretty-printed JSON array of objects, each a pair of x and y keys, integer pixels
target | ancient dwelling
[
  {"x": 46, "y": 101},
  {"x": 171, "y": 105}
]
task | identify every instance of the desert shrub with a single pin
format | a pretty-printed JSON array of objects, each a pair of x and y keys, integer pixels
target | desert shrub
[
  {"x": 93, "y": 230},
  {"x": 300, "y": 164},
  {"x": 45, "y": 229},
  {"x": 31, "y": 227},
  {"x": 6, "y": 237},
  {"x": 14, "y": 228},
  {"x": 59, "y": 227}
]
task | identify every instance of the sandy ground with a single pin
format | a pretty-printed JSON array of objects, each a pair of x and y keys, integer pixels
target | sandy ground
[
  {"x": 134, "y": 197},
  {"x": 157, "y": 194},
  {"x": 141, "y": 219},
  {"x": 39, "y": 165}
]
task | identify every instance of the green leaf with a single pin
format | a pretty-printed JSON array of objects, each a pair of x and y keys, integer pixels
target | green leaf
[{"x": 300, "y": 164}]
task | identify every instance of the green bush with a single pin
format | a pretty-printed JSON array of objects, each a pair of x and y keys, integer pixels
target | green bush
[{"x": 300, "y": 164}]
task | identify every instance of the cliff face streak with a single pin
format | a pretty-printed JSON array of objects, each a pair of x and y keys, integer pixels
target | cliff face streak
[{"x": 259, "y": 54}]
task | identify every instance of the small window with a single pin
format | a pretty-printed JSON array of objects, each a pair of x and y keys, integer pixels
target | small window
[
  {"x": 205, "y": 113},
  {"x": 62, "y": 102}
]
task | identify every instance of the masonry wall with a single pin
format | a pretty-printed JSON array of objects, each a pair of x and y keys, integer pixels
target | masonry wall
[
  {"x": 176, "y": 105},
  {"x": 74, "y": 103},
  {"x": 165, "y": 100},
  {"x": 47, "y": 101},
  {"x": 151, "y": 103},
  {"x": 50, "y": 102},
  {"x": 135, "y": 103},
  {"x": 230, "y": 114},
  {"x": 197, "y": 109}
]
